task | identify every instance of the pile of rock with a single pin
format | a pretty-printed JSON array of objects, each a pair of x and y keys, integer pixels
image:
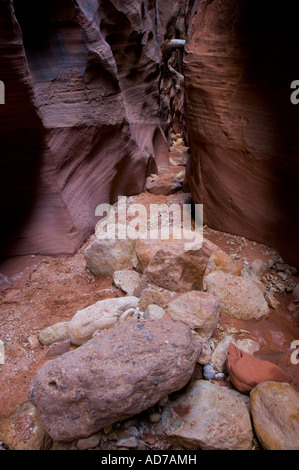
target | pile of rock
[{"x": 123, "y": 356}]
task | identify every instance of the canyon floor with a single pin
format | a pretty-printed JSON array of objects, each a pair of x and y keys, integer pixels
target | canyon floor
[{"x": 45, "y": 290}]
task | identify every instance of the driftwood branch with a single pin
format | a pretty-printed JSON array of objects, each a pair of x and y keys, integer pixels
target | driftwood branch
[
  {"x": 172, "y": 44},
  {"x": 178, "y": 75},
  {"x": 167, "y": 48}
]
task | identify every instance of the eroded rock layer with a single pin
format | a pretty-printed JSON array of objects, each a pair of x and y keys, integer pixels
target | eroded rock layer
[
  {"x": 239, "y": 65},
  {"x": 82, "y": 122}
]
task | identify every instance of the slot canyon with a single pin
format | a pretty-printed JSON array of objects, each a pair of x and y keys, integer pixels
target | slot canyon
[{"x": 142, "y": 344}]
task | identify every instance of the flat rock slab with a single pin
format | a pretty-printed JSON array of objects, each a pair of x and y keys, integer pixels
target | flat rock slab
[
  {"x": 119, "y": 373},
  {"x": 275, "y": 412},
  {"x": 208, "y": 416}
]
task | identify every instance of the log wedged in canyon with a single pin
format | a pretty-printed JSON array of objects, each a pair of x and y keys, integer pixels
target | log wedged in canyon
[
  {"x": 83, "y": 120},
  {"x": 239, "y": 64}
]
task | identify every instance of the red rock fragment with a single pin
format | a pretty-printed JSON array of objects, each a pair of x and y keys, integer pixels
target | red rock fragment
[{"x": 246, "y": 371}]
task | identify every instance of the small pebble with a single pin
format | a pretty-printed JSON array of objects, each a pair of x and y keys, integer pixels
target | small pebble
[
  {"x": 282, "y": 275},
  {"x": 209, "y": 372},
  {"x": 220, "y": 376},
  {"x": 107, "y": 429},
  {"x": 90, "y": 442},
  {"x": 154, "y": 417},
  {"x": 133, "y": 431},
  {"x": 112, "y": 436},
  {"x": 129, "y": 443},
  {"x": 271, "y": 301}
]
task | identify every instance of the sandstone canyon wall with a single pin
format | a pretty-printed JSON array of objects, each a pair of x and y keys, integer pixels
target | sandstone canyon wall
[
  {"x": 90, "y": 103},
  {"x": 240, "y": 59},
  {"x": 83, "y": 121}
]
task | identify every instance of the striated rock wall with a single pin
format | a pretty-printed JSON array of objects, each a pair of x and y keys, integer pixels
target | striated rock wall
[
  {"x": 83, "y": 122},
  {"x": 239, "y": 63}
]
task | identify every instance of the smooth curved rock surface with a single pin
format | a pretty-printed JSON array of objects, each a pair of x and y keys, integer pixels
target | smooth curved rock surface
[
  {"x": 239, "y": 65},
  {"x": 83, "y": 120}
]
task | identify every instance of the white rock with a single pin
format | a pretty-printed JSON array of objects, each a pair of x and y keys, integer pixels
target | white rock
[
  {"x": 219, "y": 354},
  {"x": 33, "y": 341},
  {"x": 209, "y": 372},
  {"x": 207, "y": 349},
  {"x": 255, "y": 270},
  {"x": 219, "y": 376},
  {"x": 271, "y": 300},
  {"x": 103, "y": 314},
  {"x": 247, "y": 345},
  {"x": 127, "y": 314},
  {"x": 128, "y": 442},
  {"x": 154, "y": 312},
  {"x": 54, "y": 333}
]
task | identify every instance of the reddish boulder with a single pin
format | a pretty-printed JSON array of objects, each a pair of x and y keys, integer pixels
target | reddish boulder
[
  {"x": 163, "y": 184},
  {"x": 119, "y": 373},
  {"x": 246, "y": 371},
  {"x": 172, "y": 266}
]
